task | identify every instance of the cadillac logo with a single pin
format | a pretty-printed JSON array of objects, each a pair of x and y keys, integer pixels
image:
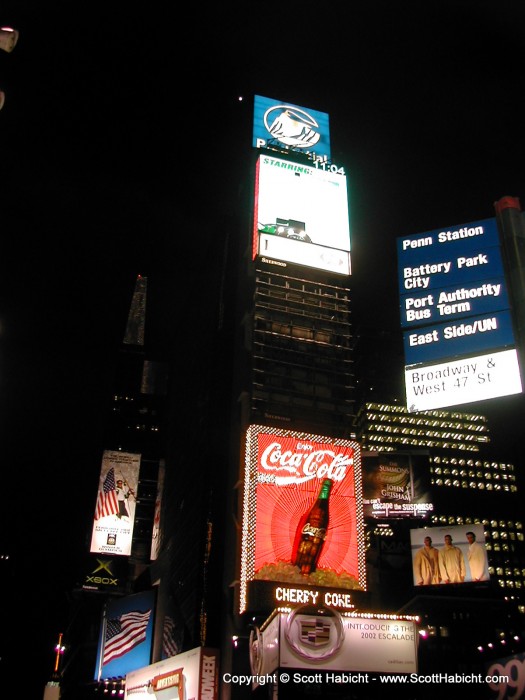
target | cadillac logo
[
  {"x": 315, "y": 637},
  {"x": 314, "y": 632}
]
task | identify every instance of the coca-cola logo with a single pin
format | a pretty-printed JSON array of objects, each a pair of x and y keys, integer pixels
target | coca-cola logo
[
  {"x": 304, "y": 466},
  {"x": 319, "y": 532}
]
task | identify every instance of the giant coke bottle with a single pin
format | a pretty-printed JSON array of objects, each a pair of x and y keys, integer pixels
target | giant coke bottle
[{"x": 311, "y": 535}]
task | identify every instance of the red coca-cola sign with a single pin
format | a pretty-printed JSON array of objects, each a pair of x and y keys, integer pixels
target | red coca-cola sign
[{"x": 284, "y": 472}]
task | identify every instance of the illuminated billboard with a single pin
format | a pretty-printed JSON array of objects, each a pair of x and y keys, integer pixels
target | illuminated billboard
[
  {"x": 449, "y": 555},
  {"x": 126, "y": 635},
  {"x": 192, "y": 674},
  {"x": 325, "y": 640},
  {"x": 507, "y": 677},
  {"x": 302, "y": 520},
  {"x": 116, "y": 503},
  {"x": 395, "y": 485},
  {"x": 458, "y": 334},
  {"x": 105, "y": 574},
  {"x": 487, "y": 376},
  {"x": 301, "y": 215},
  {"x": 281, "y": 125}
]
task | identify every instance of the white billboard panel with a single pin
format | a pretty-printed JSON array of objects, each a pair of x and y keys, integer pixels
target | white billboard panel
[
  {"x": 469, "y": 379},
  {"x": 192, "y": 674},
  {"x": 338, "y": 643},
  {"x": 301, "y": 214},
  {"x": 116, "y": 503}
]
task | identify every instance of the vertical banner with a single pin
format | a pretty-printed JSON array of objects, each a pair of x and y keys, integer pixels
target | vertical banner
[
  {"x": 126, "y": 635},
  {"x": 155, "y": 535},
  {"x": 116, "y": 503}
]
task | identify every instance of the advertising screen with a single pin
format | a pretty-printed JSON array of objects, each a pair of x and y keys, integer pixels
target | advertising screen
[
  {"x": 449, "y": 555},
  {"x": 325, "y": 640},
  {"x": 116, "y": 503},
  {"x": 192, "y": 674},
  {"x": 105, "y": 574},
  {"x": 302, "y": 511},
  {"x": 126, "y": 635},
  {"x": 301, "y": 215},
  {"x": 333, "y": 642},
  {"x": 395, "y": 485},
  {"x": 282, "y": 125}
]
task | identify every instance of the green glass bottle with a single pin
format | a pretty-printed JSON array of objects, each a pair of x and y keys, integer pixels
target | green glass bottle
[{"x": 311, "y": 535}]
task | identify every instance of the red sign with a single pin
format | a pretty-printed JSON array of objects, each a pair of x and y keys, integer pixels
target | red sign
[{"x": 303, "y": 517}]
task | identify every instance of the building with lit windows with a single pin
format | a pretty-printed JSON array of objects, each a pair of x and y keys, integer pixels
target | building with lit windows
[
  {"x": 467, "y": 488},
  {"x": 389, "y": 427}
]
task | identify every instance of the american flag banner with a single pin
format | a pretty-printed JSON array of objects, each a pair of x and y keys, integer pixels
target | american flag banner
[
  {"x": 124, "y": 633},
  {"x": 107, "y": 497},
  {"x": 170, "y": 646}
]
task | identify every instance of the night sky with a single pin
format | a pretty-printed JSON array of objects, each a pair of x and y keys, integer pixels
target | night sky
[{"x": 123, "y": 133}]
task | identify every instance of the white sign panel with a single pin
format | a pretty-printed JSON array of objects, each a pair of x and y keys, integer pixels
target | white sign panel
[
  {"x": 301, "y": 214},
  {"x": 466, "y": 380},
  {"x": 334, "y": 642},
  {"x": 116, "y": 503},
  {"x": 193, "y": 674}
]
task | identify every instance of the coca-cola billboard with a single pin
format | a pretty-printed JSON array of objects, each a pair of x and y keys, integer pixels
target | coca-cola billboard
[{"x": 302, "y": 512}]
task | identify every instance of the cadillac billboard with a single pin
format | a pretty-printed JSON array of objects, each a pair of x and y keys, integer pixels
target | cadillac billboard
[{"x": 326, "y": 640}]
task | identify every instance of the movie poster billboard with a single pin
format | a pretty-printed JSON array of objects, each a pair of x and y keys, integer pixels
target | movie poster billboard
[
  {"x": 126, "y": 635},
  {"x": 301, "y": 214},
  {"x": 116, "y": 503},
  {"x": 302, "y": 511},
  {"x": 449, "y": 555},
  {"x": 395, "y": 485}
]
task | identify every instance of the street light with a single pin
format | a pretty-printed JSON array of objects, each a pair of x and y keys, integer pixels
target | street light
[{"x": 8, "y": 39}]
